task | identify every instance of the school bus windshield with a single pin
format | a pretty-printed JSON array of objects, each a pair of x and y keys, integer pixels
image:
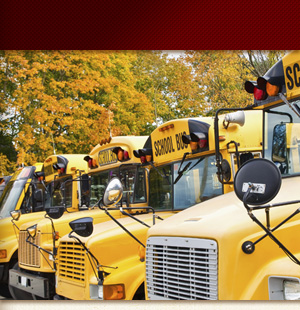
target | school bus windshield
[
  {"x": 59, "y": 193},
  {"x": 133, "y": 181},
  {"x": 11, "y": 196},
  {"x": 282, "y": 131},
  {"x": 171, "y": 189},
  {"x": 13, "y": 190}
]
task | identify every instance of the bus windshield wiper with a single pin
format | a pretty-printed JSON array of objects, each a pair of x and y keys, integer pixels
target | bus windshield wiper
[{"x": 181, "y": 172}]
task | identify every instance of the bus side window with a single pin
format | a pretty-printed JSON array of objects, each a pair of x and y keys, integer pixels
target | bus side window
[{"x": 160, "y": 194}]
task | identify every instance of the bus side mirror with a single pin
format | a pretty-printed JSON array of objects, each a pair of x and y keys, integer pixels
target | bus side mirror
[
  {"x": 257, "y": 181},
  {"x": 113, "y": 192},
  {"x": 55, "y": 212},
  {"x": 82, "y": 227},
  {"x": 15, "y": 215}
]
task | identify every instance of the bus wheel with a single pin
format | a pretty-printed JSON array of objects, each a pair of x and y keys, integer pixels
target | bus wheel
[
  {"x": 140, "y": 293},
  {"x": 17, "y": 293}
]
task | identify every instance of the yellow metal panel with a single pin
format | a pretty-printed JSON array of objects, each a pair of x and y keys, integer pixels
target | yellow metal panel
[{"x": 291, "y": 67}]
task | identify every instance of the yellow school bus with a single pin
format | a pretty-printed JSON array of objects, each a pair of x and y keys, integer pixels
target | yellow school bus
[
  {"x": 71, "y": 197},
  {"x": 20, "y": 194},
  {"x": 56, "y": 169},
  {"x": 245, "y": 244},
  {"x": 180, "y": 157}
]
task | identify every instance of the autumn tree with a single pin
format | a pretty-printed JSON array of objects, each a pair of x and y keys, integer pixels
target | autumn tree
[
  {"x": 169, "y": 84},
  {"x": 67, "y": 101},
  {"x": 259, "y": 62},
  {"x": 221, "y": 74}
]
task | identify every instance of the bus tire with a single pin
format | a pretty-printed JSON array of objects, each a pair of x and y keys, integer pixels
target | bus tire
[
  {"x": 4, "y": 291},
  {"x": 140, "y": 293},
  {"x": 17, "y": 293}
]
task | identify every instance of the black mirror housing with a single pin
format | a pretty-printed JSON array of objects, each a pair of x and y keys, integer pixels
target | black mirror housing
[
  {"x": 82, "y": 227},
  {"x": 264, "y": 177},
  {"x": 55, "y": 212}
]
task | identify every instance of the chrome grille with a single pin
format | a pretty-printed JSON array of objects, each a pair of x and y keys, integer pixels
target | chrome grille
[
  {"x": 181, "y": 268},
  {"x": 71, "y": 261},
  {"x": 29, "y": 255}
]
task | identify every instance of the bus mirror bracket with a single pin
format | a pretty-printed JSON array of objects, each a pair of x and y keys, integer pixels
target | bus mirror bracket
[
  {"x": 222, "y": 167},
  {"x": 256, "y": 183},
  {"x": 15, "y": 217},
  {"x": 112, "y": 195}
]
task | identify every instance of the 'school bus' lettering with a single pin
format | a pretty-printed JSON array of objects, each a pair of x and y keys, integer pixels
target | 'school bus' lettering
[
  {"x": 293, "y": 76},
  {"x": 165, "y": 146},
  {"x": 107, "y": 157}
]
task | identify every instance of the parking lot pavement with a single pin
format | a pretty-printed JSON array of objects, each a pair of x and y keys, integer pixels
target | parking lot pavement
[{"x": 4, "y": 298}]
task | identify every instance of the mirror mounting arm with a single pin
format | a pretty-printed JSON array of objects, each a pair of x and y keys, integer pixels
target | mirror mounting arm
[
  {"x": 133, "y": 217},
  {"x": 37, "y": 246},
  {"x": 41, "y": 249},
  {"x": 236, "y": 152},
  {"x": 53, "y": 235},
  {"x": 216, "y": 132},
  {"x": 268, "y": 231},
  {"x": 14, "y": 224},
  {"x": 124, "y": 228},
  {"x": 280, "y": 224},
  {"x": 99, "y": 277},
  {"x": 146, "y": 208},
  {"x": 270, "y": 234}
]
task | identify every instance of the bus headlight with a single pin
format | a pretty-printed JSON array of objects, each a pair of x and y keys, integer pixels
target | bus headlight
[
  {"x": 284, "y": 288},
  {"x": 291, "y": 290},
  {"x": 96, "y": 292}
]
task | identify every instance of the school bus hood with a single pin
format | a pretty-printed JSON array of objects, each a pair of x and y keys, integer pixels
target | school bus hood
[
  {"x": 225, "y": 216},
  {"x": 62, "y": 226},
  {"x": 110, "y": 243}
]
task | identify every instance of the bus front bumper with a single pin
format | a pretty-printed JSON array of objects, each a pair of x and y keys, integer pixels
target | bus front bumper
[{"x": 30, "y": 283}]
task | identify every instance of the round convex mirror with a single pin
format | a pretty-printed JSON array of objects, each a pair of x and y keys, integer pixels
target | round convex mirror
[
  {"x": 113, "y": 192},
  {"x": 265, "y": 177}
]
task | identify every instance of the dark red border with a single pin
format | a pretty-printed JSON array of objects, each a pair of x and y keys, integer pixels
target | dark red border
[{"x": 167, "y": 25}]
